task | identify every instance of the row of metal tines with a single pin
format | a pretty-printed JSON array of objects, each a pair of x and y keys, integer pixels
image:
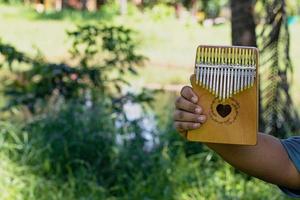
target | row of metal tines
[
  {"x": 226, "y": 55},
  {"x": 226, "y": 76}
]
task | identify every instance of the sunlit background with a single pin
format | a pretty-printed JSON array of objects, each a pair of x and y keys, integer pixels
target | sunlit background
[{"x": 87, "y": 96}]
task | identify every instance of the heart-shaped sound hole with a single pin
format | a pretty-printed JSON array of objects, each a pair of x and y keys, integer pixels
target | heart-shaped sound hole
[{"x": 223, "y": 110}]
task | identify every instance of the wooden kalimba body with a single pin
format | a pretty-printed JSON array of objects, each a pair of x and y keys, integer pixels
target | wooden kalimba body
[{"x": 226, "y": 82}]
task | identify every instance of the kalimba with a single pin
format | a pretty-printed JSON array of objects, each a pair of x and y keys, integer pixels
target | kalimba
[{"x": 226, "y": 82}]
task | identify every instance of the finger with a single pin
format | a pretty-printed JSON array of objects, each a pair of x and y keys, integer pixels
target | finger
[
  {"x": 186, "y": 126},
  {"x": 180, "y": 115},
  {"x": 183, "y": 104},
  {"x": 188, "y": 93},
  {"x": 192, "y": 77}
]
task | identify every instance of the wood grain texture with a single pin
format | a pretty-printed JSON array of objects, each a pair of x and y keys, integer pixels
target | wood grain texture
[{"x": 237, "y": 125}]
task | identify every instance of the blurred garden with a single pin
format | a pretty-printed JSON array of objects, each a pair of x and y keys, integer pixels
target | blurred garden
[{"x": 88, "y": 89}]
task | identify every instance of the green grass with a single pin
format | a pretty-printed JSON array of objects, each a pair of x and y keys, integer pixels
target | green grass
[
  {"x": 167, "y": 44},
  {"x": 170, "y": 46}
]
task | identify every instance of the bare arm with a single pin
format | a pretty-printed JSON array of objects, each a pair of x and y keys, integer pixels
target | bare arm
[{"x": 268, "y": 160}]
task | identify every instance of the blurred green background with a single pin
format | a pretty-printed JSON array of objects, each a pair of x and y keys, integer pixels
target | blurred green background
[{"x": 87, "y": 98}]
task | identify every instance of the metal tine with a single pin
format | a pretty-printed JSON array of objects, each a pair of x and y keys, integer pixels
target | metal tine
[
  {"x": 246, "y": 71},
  {"x": 231, "y": 73},
  {"x": 235, "y": 70},
  {"x": 224, "y": 73},
  {"x": 238, "y": 69},
  {"x": 218, "y": 72},
  {"x": 197, "y": 65},
  {"x": 242, "y": 70},
  {"x": 253, "y": 71},
  {"x": 197, "y": 74},
  {"x": 221, "y": 82},
  {"x": 229, "y": 83},
  {"x": 238, "y": 56},
  {"x": 208, "y": 69},
  {"x": 211, "y": 69},
  {"x": 227, "y": 73},
  {"x": 221, "y": 75},
  {"x": 201, "y": 66},
  {"x": 204, "y": 66},
  {"x": 254, "y": 65},
  {"x": 248, "y": 65},
  {"x": 249, "y": 71},
  {"x": 215, "y": 70},
  {"x": 251, "y": 65}
]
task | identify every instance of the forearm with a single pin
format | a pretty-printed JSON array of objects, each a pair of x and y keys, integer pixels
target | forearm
[{"x": 267, "y": 160}]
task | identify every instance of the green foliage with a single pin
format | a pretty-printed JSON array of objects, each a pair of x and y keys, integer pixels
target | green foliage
[
  {"x": 212, "y": 8},
  {"x": 82, "y": 144},
  {"x": 10, "y": 55},
  {"x": 160, "y": 12},
  {"x": 104, "y": 54},
  {"x": 11, "y": 2},
  {"x": 58, "y": 157},
  {"x": 279, "y": 116}
]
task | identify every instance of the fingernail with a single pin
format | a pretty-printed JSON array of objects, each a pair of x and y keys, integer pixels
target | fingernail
[
  {"x": 202, "y": 118},
  {"x": 196, "y": 125},
  {"x": 199, "y": 119},
  {"x": 194, "y": 99},
  {"x": 198, "y": 110}
]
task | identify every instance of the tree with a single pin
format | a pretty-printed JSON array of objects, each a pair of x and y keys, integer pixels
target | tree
[
  {"x": 278, "y": 115},
  {"x": 123, "y": 7},
  {"x": 243, "y": 23}
]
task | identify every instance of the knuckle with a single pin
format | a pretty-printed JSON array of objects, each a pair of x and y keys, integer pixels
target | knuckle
[
  {"x": 180, "y": 114},
  {"x": 184, "y": 90},
  {"x": 190, "y": 126},
  {"x": 175, "y": 115},
  {"x": 192, "y": 107},
  {"x": 178, "y": 101},
  {"x": 178, "y": 126}
]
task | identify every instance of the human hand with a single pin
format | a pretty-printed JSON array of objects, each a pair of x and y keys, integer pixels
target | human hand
[{"x": 188, "y": 114}]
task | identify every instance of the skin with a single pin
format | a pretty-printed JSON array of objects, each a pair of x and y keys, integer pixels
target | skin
[{"x": 267, "y": 161}]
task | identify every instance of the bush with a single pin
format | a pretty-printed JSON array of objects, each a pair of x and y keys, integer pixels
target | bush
[
  {"x": 160, "y": 12},
  {"x": 80, "y": 143}
]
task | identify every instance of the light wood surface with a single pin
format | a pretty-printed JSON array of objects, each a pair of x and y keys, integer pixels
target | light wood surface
[{"x": 230, "y": 121}]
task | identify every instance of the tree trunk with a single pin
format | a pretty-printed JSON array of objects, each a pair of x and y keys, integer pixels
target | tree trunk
[
  {"x": 194, "y": 7},
  {"x": 243, "y": 23},
  {"x": 123, "y": 7},
  {"x": 243, "y": 34},
  {"x": 91, "y": 5}
]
